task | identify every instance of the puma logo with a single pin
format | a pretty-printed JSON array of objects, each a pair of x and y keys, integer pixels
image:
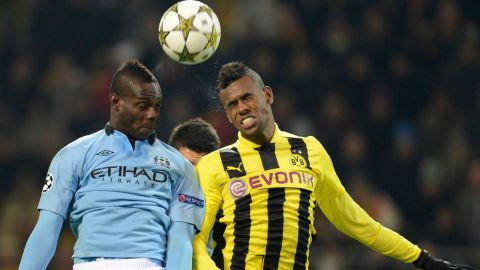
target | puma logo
[{"x": 233, "y": 168}]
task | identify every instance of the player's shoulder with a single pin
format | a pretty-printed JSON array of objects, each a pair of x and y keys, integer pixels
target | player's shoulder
[
  {"x": 81, "y": 145},
  {"x": 313, "y": 145},
  {"x": 159, "y": 144},
  {"x": 162, "y": 146},
  {"x": 287, "y": 134},
  {"x": 169, "y": 151},
  {"x": 214, "y": 158},
  {"x": 309, "y": 139}
]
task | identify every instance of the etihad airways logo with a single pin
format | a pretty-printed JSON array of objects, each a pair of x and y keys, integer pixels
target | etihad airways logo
[{"x": 130, "y": 175}]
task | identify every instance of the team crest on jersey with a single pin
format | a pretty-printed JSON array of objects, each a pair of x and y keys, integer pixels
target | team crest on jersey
[
  {"x": 48, "y": 182},
  {"x": 162, "y": 161},
  {"x": 298, "y": 160},
  {"x": 237, "y": 188}
]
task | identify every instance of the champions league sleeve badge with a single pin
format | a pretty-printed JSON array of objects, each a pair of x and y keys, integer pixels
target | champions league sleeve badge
[
  {"x": 48, "y": 183},
  {"x": 184, "y": 198}
]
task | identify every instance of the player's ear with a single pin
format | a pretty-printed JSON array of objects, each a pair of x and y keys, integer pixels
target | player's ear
[
  {"x": 222, "y": 102},
  {"x": 267, "y": 90},
  {"x": 114, "y": 101}
]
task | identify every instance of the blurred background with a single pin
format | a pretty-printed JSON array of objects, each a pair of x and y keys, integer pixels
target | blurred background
[{"x": 391, "y": 88}]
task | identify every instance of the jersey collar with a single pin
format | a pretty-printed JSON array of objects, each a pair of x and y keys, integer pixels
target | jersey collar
[
  {"x": 109, "y": 130},
  {"x": 277, "y": 137}
]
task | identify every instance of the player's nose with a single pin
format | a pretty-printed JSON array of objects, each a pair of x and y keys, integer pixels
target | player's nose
[
  {"x": 243, "y": 108},
  {"x": 152, "y": 113}
]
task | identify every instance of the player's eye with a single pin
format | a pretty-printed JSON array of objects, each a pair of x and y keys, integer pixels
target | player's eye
[
  {"x": 142, "y": 106},
  {"x": 247, "y": 98},
  {"x": 231, "y": 105}
]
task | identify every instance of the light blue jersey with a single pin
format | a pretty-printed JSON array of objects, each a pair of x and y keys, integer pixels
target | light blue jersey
[{"x": 120, "y": 200}]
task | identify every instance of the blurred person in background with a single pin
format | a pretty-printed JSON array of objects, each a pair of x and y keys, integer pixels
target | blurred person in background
[
  {"x": 194, "y": 138},
  {"x": 132, "y": 201},
  {"x": 267, "y": 184}
]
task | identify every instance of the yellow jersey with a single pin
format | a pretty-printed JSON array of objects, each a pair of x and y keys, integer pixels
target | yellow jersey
[{"x": 268, "y": 193}]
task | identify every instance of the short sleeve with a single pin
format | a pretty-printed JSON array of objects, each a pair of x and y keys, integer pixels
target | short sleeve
[
  {"x": 61, "y": 182},
  {"x": 188, "y": 203}
]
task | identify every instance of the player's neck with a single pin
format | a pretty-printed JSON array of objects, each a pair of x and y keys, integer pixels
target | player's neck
[
  {"x": 262, "y": 137},
  {"x": 117, "y": 126}
]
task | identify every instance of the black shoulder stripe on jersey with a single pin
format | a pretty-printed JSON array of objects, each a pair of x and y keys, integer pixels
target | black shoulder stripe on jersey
[
  {"x": 218, "y": 230},
  {"x": 267, "y": 154},
  {"x": 241, "y": 231},
  {"x": 232, "y": 162},
  {"x": 298, "y": 146},
  {"x": 303, "y": 231},
  {"x": 276, "y": 199}
]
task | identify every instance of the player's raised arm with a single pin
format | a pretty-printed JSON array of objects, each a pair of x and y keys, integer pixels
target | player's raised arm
[{"x": 348, "y": 217}]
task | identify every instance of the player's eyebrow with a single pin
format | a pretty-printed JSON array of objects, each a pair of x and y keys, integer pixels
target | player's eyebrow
[
  {"x": 149, "y": 99},
  {"x": 235, "y": 101}
]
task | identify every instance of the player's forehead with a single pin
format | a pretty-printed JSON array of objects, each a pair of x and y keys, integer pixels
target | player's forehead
[
  {"x": 239, "y": 88},
  {"x": 145, "y": 90}
]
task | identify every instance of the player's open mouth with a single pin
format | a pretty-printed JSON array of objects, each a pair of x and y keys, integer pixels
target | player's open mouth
[{"x": 248, "y": 122}]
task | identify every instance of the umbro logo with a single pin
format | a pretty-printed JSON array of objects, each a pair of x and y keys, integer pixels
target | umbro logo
[{"x": 104, "y": 153}]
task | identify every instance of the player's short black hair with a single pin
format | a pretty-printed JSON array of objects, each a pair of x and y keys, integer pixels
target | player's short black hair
[
  {"x": 130, "y": 70},
  {"x": 233, "y": 71},
  {"x": 195, "y": 134}
]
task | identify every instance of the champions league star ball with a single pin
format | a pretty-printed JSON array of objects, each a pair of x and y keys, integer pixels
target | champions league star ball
[{"x": 189, "y": 32}]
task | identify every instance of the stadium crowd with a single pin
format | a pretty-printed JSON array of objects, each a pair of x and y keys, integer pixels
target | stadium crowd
[{"x": 391, "y": 88}]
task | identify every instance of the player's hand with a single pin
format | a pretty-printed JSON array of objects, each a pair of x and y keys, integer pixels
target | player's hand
[{"x": 428, "y": 262}]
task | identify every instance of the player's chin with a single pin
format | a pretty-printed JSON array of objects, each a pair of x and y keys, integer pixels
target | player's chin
[
  {"x": 249, "y": 131},
  {"x": 143, "y": 133}
]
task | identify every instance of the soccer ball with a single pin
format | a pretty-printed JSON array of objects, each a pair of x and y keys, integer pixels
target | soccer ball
[{"x": 189, "y": 32}]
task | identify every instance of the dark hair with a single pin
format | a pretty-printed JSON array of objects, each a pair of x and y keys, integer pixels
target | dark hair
[
  {"x": 131, "y": 70},
  {"x": 196, "y": 134},
  {"x": 233, "y": 71}
]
